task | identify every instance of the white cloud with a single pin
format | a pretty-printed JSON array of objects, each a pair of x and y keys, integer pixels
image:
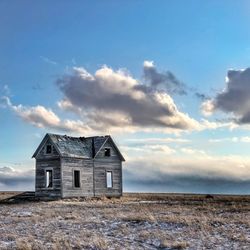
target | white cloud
[
  {"x": 148, "y": 64},
  {"x": 149, "y": 149},
  {"x": 245, "y": 139},
  {"x": 234, "y": 99},
  {"x": 48, "y": 60},
  {"x": 207, "y": 107},
  {"x": 205, "y": 124},
  {"x": 110, "y": 93},
  {"x": 38, "y": 116},
  {"x": 191, "y": 151},
  {"x": 112, "y": 102},
  {"x": 231, "y": 167},
  {"x": 42, "y": 117},
  {"x": 4, "y": 102},
  {"x": 13, "y": 179},
  {"x": 199, "y": 173},
  {"x": 158, "y": 140}
]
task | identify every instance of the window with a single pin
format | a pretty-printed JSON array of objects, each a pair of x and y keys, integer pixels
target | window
[
  {"x": 107, "y": 152},
  {"x": 48, "y": 149},
  {"x": 76, "y": 178},
  {"x": 109, "y": 179},
  {"x": 49, "y": 180}
]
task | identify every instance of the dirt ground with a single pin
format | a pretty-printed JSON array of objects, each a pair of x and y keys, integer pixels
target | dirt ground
[{"x": 136, "y": 221}]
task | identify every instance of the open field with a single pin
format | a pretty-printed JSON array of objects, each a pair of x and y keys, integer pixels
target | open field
[{"x": 136, "y": 221}]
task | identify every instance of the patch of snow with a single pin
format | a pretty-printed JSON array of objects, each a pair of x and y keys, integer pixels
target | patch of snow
[{"x": 24, "y": 214}]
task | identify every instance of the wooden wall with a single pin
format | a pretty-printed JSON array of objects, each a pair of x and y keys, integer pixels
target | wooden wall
[
  {"x": 42, "y": 153},
  {"x": 41, "y": 166},
  {"x": 85, "y": 166},
  {"x": 103, "y": 164}
]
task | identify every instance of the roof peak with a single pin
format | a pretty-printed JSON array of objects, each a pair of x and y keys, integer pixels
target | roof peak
[{"x": 80, "y": 137}]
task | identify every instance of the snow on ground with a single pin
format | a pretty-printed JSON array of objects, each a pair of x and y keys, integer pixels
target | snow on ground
[{"x": 127, "y": 223}]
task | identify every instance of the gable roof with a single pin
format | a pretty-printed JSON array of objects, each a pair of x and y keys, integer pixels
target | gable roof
[
  {"x": 78, "y": 147},
  {"x": 109, "y": 138}
]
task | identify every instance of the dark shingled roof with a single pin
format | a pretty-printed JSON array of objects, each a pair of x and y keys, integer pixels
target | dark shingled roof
[
  {"x": 71, "y": 146},
  {"x": 80, "y": 147}
]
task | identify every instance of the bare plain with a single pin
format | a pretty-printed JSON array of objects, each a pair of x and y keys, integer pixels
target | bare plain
[{"x": 135, "y": 221}]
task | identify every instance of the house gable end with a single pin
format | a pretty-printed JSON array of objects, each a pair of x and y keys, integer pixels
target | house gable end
[
  {"x": 42, "y": 148},
  {"x": 114, "y": 151}
]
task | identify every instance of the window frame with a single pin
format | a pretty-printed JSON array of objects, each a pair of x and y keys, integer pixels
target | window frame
[
  {"x": 112, "y": 181},
  {"x": 52, "y": 174},
  {"x": 73, "y": 183},
  {"x": 51, "y": 147},
  {"x": 109, "y": 150}
]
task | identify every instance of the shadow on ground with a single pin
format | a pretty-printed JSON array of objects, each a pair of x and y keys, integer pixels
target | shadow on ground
[{"x": 22, "y": 197}]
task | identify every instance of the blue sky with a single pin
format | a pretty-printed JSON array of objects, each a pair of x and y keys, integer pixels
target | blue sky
[{"x": 126, "y": 45}]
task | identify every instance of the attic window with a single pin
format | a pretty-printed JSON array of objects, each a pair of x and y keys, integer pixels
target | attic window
[
  {"x": 49, "y": 182},
  {"x": 48, "y": 149},
  {"x": 107, "y": 152}
]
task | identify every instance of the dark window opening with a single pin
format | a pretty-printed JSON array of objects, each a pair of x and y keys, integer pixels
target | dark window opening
[
  {"x": 48, "y": 149},
  {"x": 107, "y": 152},
  {"x": 49, "y": 180},
  {"x": 109, "y": 179},
  {"x": 76, "y": 178}
]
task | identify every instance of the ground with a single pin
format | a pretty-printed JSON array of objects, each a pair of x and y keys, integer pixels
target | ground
[{"x": 136, "y": 221}]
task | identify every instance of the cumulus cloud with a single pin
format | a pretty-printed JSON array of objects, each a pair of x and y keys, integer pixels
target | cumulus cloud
[
  {"x": 234, "y": 99},
  {"x": 116, "y": 98},
  {"x": 165, "y": 80},
  {"x": 38, "y": 115},
  {"x": 111, "y": 101},
  {"x": 42, "y": 117},
  {"x": 12, "y": 179}
]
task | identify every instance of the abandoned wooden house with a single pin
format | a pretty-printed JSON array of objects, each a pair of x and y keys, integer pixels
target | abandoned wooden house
[{"x": 78, "y": 167}]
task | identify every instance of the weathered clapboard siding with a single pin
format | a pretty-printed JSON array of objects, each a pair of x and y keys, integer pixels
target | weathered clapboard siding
[
  {"x": 101, "y": 166},
  {"x": 113, "y": 153},
  {"x": 41, "y": 166},
  {"x": 42, "y": 153},
  {"x": 85, "y": 166}
]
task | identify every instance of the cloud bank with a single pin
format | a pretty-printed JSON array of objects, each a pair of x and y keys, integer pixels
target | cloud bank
[
  {"x": 160, "y": 168},
  {"x": 16, "y": 180},
  {"x": 202, "y": 173}
]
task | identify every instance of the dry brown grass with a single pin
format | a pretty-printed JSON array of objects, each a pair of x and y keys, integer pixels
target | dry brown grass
[
  {"x": 173, "y": 245},
  {"x": 132, "y": 222}
]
